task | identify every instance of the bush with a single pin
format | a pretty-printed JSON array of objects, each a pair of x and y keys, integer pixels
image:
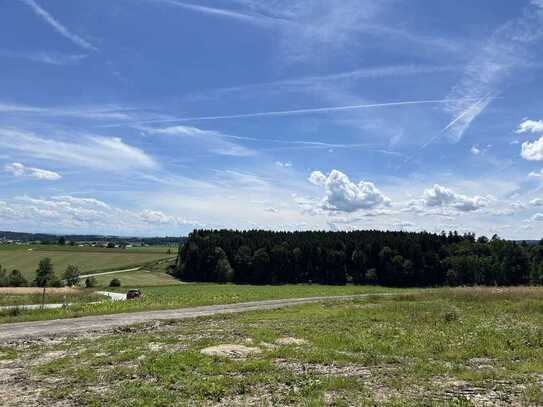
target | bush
[
  {"x": 90, "y": 282},
  {"x": 451, "y": 315},
  {"x": 71, "y": 275},
  {"x": 16, "y": 279},
  {"x": 115, "y": 283}
]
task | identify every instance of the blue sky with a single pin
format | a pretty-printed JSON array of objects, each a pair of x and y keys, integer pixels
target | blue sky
[{"x": 154, "y": 117}]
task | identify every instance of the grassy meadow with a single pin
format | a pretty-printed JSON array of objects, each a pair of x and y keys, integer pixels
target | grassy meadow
[
  {"x": 8, "y": 297},
  {"x": 189, "y": 295},
  {"x": 25, "y": 258},
  {"x": 458, "y": 347}
]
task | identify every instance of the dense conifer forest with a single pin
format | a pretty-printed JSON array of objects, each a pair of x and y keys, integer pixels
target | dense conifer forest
[{"x": 401, "y": 259}]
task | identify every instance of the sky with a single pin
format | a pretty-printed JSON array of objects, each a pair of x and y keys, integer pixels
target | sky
[{"x": 156, "y": 117}]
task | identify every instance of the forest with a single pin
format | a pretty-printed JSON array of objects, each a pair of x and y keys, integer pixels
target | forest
[{"x": 398, "y": 259}]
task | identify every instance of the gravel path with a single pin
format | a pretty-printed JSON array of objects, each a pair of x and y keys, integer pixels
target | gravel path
[{"x": 98, "y": 323}]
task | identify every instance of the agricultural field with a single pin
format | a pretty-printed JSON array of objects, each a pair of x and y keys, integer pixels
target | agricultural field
[
  {"x": 25, "y": 258},
  {"x": 137, "y": 279},
  {"x": 458, "y": 347}
]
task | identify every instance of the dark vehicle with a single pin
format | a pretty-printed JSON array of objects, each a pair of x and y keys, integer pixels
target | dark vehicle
[{"x": 134, "y": 294}]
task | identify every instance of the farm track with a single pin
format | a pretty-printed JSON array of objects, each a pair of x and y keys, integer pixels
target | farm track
[{"x": 99, "y": 323}]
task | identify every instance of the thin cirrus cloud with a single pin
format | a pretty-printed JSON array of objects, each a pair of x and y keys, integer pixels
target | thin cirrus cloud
[
  {"x": 254, "y": 18},
  {"x": 214, "y": 141},
  {"x": 49, "y": 58},
  {"x": 304, "y": 25},
  {"x": 20, "y": 170},
  {"x": 507, "y": 50},
  {"x": 278, "y": 113},
  {"x": 58, "y": 27},
  {"x": 309, "y": 84},
  {"x": 218, "y": 144},
  {"x": 97, "y": 152},
  {"x": 117, "y": 113}
]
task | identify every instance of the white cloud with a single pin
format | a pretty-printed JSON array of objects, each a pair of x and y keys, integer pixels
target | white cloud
[
  {"x": 50, "y": 58},
  {"x": 272, "y": 210},
  {"x": 439, "y": 196},
  {"x": 536, "y": 202},
  {"x": 57, "y": 26},
  {"x": 531, "y": 126},
  {"x": 75, "y": 213},
  {"x": 102, "y": 153},
  {"x": 475, "y": 150},
  {"x": 215, "y": 141},
  {"x": 532, "y": 151},
  {"x": 343, "y": 195},
  {"x": 499, "y": 58},
  {"x": 283, "y": 164},
  {"x": 20, "y": 170},
  {"x": 538, "y": 217},
  {"x": 535, "y": 174}
]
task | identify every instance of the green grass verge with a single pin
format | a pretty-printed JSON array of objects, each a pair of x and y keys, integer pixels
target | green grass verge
[
  {"x": 22, "y": 299},
  {"x": 442, "y": 347},
  {"x": 190, "y": 295}
]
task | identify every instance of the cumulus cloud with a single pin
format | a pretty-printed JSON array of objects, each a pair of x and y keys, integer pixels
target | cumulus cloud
[
  {"x": 538, "y": 217},
  {"x": 532, "y": 151},
  {"x": 20, "y": 170},
  {"x": 343, "y": 195},
  {"x": 283, "y": 164},
  {"x": 530, "y": 126},
  {"x": 440, "y": 196},
  {"x": 536, "y": 202}
]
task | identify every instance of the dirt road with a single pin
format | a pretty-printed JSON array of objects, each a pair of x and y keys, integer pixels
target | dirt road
[
  {"x": 98, "y": 323},
  {"x": 82, "y": 277}
]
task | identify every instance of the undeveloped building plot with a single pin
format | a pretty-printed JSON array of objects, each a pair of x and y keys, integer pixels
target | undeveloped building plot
[{"x": 377, "y": 351}]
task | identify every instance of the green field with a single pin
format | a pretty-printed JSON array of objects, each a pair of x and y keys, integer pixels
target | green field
[
  {"x": 89, "y": 259},
  {"x": 190, "y": 295},
  {"x": 461, "y": 347},
  {"x": 138, "y": 279}
]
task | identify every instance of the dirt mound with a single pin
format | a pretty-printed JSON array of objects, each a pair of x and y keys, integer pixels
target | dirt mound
[{"x": 230, "y": 351}]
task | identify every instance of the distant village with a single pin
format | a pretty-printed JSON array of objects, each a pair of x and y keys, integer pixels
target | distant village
[{"x": 63, "y": 242}]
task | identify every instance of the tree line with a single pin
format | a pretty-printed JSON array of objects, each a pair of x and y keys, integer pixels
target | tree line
[
  {"x": 400, "y": 259},
  {"x": 45, "y": 276}
]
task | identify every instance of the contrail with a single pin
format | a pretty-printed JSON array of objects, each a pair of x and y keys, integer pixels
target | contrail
[
  {"x": 287, "y": 112},
  {"x": 62, "y": 30}
]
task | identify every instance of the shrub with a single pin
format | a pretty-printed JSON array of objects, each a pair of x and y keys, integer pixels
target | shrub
[
  {"x": 451, "y": 315},
  {"x": 71, "y": 275},
  {"x": 16, "y": 279},
  {"x": 115, "y": 283},
  {"x": 90, "y": 282}
]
